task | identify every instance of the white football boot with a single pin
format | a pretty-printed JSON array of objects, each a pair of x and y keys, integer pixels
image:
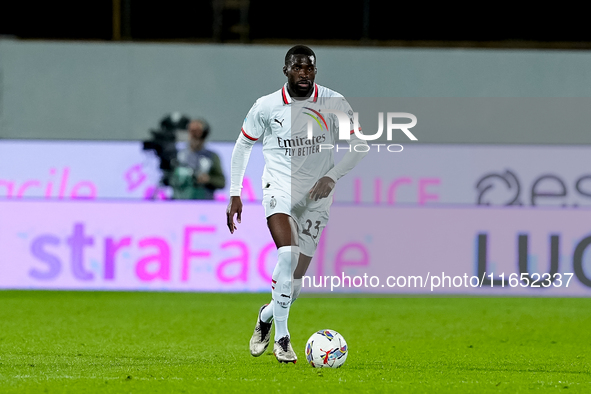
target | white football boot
[
  {"x": 284, "y": 352},
  {"x": 261, "y": 337}
]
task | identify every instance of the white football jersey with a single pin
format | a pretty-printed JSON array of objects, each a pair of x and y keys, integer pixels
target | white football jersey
[{"x": 294, "y": 162}]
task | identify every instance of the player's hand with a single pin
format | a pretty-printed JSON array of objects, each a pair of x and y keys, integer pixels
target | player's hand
[
  {"x": 322, "y": 188},
  {"x": 234, "y": 208}
]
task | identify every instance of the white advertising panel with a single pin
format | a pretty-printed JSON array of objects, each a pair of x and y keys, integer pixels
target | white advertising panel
[{"x": 420, "y": 174}]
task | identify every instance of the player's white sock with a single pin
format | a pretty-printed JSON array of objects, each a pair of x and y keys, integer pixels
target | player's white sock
[
  {"x": 296, "y": 288},
  {"x": 282, "y": 280},
  {"x": 267, "y": 313}
]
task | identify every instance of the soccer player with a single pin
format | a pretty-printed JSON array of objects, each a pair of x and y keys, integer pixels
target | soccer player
[{"x": 298, "y": 182}]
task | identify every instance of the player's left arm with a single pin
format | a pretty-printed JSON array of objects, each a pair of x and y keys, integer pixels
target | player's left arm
[
  {"x": 356, "y": 152},
  {"x": 324, "y": 186}
]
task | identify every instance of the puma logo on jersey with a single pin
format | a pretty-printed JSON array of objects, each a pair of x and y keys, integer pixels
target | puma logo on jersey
[{"x": 280, "y": 123}]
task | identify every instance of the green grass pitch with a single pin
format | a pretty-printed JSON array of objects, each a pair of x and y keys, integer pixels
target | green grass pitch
[{"x": 198, "y": 342}]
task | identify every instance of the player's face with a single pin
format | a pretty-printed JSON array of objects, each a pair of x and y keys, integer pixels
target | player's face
[{"x": 301, "y": 73}]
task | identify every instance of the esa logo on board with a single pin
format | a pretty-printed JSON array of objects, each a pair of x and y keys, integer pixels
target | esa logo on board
[{"x": 505, "y": 188}]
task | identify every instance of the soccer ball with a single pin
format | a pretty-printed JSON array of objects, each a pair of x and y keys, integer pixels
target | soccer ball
[{"x": 326, "y": 348}]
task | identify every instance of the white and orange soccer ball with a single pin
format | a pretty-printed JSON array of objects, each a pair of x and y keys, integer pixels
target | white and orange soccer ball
[{"x": 326, "y": 348}]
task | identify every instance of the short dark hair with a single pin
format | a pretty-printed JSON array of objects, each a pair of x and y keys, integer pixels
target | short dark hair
[{"x": 299, "y": 50}]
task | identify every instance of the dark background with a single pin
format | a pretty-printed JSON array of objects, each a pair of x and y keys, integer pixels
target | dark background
[{"x": 363, "y": 22}]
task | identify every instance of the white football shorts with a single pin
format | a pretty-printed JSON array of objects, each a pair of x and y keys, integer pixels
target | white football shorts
[{"x": 311, "y": 216}]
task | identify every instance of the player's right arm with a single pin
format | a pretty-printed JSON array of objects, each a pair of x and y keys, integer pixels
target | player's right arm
[{"x": 252, "y": 128}]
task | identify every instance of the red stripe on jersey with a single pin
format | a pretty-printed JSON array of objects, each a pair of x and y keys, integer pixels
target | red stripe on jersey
[
  {"x": 284, "y": 96},
  {"x": 316, "y": 96},
  {"x": 352, "y": 131},
  {"x": 247, "y": 136}
]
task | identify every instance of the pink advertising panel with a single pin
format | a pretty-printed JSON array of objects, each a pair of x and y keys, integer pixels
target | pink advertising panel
[{"x": 186, "y": 246}]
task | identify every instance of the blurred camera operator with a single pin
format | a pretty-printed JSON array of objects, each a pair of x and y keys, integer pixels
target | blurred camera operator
[{"x": 199, "y": 171}]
